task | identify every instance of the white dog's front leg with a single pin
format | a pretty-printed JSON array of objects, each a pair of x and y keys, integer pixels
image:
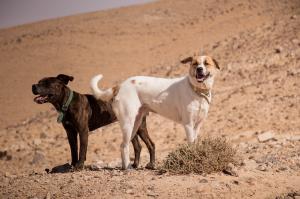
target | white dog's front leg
[
  {"x": 197, "y": 129},
  {"x": 190, "y": 133}
]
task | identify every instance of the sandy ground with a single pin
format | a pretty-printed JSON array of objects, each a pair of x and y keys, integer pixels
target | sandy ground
[{"x": 257, "y": 44}]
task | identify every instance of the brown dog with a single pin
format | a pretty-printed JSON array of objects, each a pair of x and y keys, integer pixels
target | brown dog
[{"x": 80, "y": 114}]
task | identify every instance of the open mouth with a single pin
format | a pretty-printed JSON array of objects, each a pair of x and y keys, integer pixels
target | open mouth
[
  {"x": 41, "y": 99},
  {"x": 201, "y": 77}
]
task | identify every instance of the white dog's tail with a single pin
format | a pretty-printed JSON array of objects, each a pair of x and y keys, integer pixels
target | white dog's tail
[{"x": 104, "y": 95}]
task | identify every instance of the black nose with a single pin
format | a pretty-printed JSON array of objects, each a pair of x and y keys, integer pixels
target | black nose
[
  {"x": 34, "y": 89},
  {"x": 200, "y": 70}
]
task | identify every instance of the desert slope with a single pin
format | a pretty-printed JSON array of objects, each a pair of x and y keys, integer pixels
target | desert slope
[
  {"x": 120, "y": 41},
  {"x": 257, "y": 44}
]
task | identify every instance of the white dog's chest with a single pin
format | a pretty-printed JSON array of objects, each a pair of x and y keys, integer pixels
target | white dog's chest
[{"x": 198, "y": 109}]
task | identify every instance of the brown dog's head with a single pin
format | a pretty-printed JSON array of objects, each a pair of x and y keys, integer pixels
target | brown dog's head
[
  {"x": 50, "y": 89},
  {"x": 202, "y": 70}
]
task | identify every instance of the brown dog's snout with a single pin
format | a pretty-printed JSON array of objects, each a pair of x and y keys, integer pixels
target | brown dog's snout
[{"x": 34, "y": 89}]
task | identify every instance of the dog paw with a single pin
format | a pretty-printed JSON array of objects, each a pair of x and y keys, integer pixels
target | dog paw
[
  {"x": 78, "y": 166},
  {"x": 150, "y": 166},
  {"x": 134, "y": 165},
  {"x": 129, "y": 167}
]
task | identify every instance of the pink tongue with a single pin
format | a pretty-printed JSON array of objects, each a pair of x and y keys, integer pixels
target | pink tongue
[{"x": 39, "y": 99}]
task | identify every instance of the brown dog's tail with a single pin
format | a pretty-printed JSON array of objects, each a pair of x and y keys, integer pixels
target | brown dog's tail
[{"x": 104, "y": 95}]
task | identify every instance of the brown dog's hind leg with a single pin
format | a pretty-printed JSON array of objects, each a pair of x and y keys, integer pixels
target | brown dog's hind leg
[
  {"x": 137, "y": 151},
  {"x": 83, "y": 137},
  {"x": 143, "y": 133},
  {"x": 72, "y": 138}
]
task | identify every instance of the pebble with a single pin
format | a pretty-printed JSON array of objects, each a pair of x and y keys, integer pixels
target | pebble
[
  {"x": 98, "y": 165},
  {"x": 295, "y": 41},
  {"x": 231, "y": 170},
  {"x": 261, "y": 168},
  {"x": 250, "y": 164},
  {"x": 266, "y": 136},
  {"x": 203, "y": 180},
  {"x": 152, "y": 194},
  {"x": 294, "y": 17},
  {"x": 129, "y": 191},
  {"x": 278, "y": 49},
  {"x": 37, "y": 142},
  {"x": 294, "y": 138}
]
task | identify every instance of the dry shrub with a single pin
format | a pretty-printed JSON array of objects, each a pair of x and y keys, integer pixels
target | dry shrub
[{"x": 206, "y": 156}]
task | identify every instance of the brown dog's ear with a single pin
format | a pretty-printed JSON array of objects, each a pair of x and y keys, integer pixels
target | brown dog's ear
[
  {"x": 187, "y": 60},
  {"x": 216, "y": 64},
  {"x": 64, "y": 78}
]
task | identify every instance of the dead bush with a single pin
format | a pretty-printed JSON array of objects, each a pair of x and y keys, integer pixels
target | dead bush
[{"x": 206, "y": 156}]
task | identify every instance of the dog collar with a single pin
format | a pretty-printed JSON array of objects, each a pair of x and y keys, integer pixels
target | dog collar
[
  {"x": 201, "y": 92},
  {"x": 65, "y": 107}
]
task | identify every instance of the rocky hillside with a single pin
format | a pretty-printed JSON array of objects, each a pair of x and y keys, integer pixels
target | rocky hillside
[{"x": 256, "y": 98}]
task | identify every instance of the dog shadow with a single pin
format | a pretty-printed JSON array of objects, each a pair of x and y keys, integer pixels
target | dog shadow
[{"x": 65, "y": 168}]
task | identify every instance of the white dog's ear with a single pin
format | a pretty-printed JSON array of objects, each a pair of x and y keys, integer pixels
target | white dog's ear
[
  {"x": 216, "y": 64},
  {"x": 186, "y": 60}
]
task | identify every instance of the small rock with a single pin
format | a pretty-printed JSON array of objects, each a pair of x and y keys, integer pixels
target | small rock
[
  {"x": 278, "y": 49},
  {"x": 152, "y": 194},
  {"x": 250, "y": 164},
  {"x": 231, "y": 170},
  {"x": 266, "y": 136},
  {"x": 98, "y": 165},
  {"x": 294, "y": 138},
  {"x": 7, "y": 174},
  {"x": 295, "y": 41},
  {"x": 129, "y": 191},
  {"x": 261, "y": 168},
  {"x": 235, "y": 182},
  {"x": 37, "y": 142},
  {"x": 116, "y": 173},
  {"x": 283, "y": 168},
  {"x": 203, "y": 180},
  {"x": 294, "y": 17}
]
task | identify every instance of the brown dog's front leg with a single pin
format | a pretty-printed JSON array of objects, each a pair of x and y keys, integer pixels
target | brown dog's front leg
[
  {"x": 83, "y": 137},
  {"x": 72, "y": 138}
]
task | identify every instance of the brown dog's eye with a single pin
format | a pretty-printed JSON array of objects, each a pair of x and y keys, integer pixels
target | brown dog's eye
[{"x": 206, "y": 62}]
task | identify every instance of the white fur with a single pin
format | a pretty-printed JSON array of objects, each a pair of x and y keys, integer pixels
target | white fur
[
  {"x": 172, "y": 98},
  {"x": 104, "y": 95}
]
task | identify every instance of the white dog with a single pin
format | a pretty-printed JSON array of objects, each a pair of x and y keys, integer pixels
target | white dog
[{"x": 184, "y": 100}]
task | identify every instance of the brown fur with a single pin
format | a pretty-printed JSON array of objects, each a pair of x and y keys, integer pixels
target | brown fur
[{"x": 85, "y": 114}]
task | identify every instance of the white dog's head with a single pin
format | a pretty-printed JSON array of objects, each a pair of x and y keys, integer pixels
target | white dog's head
[{"x": 202, "y": 71}]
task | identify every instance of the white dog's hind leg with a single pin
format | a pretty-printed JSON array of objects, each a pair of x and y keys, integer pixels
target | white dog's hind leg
[
  {"x": 126, "y": 114},
  {"x": 126, "y": 129}
]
